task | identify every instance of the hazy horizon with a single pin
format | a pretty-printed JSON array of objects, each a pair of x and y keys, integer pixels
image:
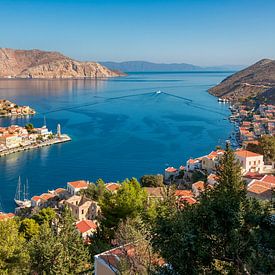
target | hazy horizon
[{"x": 203, "y": 33}]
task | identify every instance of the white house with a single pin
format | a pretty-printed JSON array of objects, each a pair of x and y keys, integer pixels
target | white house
[
  {"x": 193, "y": 164},
  {"x": 74, "y": 187},
  {"x": 170, "y": 172},
  {"x": 250, "y": 161},
  {"x": 86, "y": 228}
]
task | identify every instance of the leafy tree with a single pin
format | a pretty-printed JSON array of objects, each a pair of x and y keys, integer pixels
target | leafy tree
[
  {"x": 152, "y": 180},
  {"x": 45, "y": 215},
  {"x": 59, "y": 249},
  {"x": 94, "y": 191},
  {"x": 197, "y": 175},
  {"x": 29, "y": 127},
  {"x": 29, "y": 228},
  {"x": 128, "y": 201},
  {"x": 224, "y": 233},
  {"x": 14, "y": 256}
]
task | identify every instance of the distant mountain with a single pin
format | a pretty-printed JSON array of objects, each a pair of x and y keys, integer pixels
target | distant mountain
[
  {"x": 257, "y": 80},
  {"x": 43, "y": 64},
  {"x": 144, "y": 66}
]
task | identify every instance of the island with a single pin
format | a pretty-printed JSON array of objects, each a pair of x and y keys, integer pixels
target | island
[
  {"x": 16, "y": 138},
  {"x": 48, "y": 65},
  {"x": 8, "y": 108}
]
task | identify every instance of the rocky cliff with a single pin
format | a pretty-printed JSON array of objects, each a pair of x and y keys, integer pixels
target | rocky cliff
[
  {"x": 43, "y": 64},
  {"x": 256, "y": 81}
]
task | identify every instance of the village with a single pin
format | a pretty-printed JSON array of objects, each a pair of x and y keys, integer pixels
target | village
[
  {"x": 8, "y": 108},
  {"x": 16, "y": 138},
  {"x": 251, "y": 123}
]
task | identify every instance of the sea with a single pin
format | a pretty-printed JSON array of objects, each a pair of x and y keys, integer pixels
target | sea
[{"x": 120, "y": 128}]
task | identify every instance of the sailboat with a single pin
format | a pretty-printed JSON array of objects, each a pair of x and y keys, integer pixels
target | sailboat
[{"x": 18, "y": 199}]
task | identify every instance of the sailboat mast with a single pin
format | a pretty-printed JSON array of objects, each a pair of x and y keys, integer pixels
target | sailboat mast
[
  {"x": 18, "y": 191},
  {"x": 24, "y": 192},
  {"x": 26, "y": 189}
]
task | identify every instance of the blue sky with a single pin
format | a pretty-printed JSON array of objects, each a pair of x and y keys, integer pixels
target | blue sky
[{"x": 202, "y": 32}]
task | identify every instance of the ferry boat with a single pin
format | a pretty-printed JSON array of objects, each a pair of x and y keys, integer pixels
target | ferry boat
[{"x": 18, "y": 199}]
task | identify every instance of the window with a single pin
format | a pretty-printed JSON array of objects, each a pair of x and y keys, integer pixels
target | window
[
  {"x": 259, "y": 161},
  {"x": 249, "y": 162},
  {"x": 82, "y": 211},
  {"x": 255, "y": 162}
]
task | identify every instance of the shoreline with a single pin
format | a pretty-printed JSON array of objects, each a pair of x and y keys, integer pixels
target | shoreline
[{"x": 62, "y": 139}]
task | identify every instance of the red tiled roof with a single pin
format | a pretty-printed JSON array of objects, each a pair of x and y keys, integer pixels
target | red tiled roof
[
  {"x": 183, "y": 193},
  {"x": 171, "y": 170},
  {"x": 199, "y": 185},
  {"x": 212, "y": 177},
  {"x": 78, "y": 184},
  {"x": 112, "y": 186},
  {"x": 246, "y": 154},
  {"x": 46, "y": 196},
  {"x": 189, "y": 200},
  {"x": 4, "y": 216},
  {"x": 85, "y": 225},
  {"x": 269, "y": 179},
  {"x": 36, "y": 198},
  {"x": 59, "y": 190},
  {"x": 253, "y": 175},
  {"x": 259, "y": 187}
]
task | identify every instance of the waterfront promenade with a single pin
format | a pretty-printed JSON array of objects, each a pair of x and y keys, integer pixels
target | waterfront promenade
[{"x": 61, "y": 139}]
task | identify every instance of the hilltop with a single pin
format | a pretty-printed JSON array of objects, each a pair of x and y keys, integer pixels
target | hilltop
[
  {"x": 256, "y": 81},
  {"x": 45, "y": 64}
]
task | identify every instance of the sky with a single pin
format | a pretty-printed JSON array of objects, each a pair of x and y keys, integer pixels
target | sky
[{"x": 200, "y": 32}]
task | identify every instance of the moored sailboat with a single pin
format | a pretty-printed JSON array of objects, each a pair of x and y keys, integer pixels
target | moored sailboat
[{"x": 25, "y": 202}]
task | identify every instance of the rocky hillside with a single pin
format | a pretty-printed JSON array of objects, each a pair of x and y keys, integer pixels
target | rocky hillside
[
  {"x": 42, "y": 64},
  {"x": 257, "y": 80}
]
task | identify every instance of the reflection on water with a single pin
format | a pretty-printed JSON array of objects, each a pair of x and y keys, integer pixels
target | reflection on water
[{"x": 119, "y": 127}]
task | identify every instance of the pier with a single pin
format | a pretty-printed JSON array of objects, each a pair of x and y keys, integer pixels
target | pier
[{"x": 63, "y": 138}]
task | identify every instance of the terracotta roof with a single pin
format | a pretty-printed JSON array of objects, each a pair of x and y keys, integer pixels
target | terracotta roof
[
  {"x": 78, "y": 184},
  {"x": 46, "y": 196},
  {"x": 112, "y": 186},
  {"x": 199, "y": 185},
  {"x": 192, "y": 161},
  {"x": 259, "y": 187},
  {"x": 154, "y": 191},
  {"x": 182, "y": 167},
  {"x": 212, "y": 177},
  {"x": 269, "y": 179},
  {"x": 171, "y": 170},
  {"x": 216, "y": 153},
  {"x": 183, "y": 193},
  {"x": 4, "y": 216},
  {"x": 189, "y": 200},
  {"x": 253, "y": 175},
  {"x": 85, "y": 225},
  {"x": 36, "y": 198},
  {"x": 246, "y": 154},
  {"x": 59, "y": 190}
]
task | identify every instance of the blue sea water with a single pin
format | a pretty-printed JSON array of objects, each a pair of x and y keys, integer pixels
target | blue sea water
[{"x": 119, "y": 127}]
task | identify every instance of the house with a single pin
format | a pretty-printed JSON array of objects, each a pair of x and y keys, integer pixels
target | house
[
  {"x": 82, "y": 208},
  {"x": 198, "y": 187},
  {"x": 184, "y": 196},
  {"x": 44, "y": 200},
  {"x": 193, "y": 164},
  {"x": 6, "y": 216},
  {"x": 61, "y": 193},
  {"x": 155, "y": 193},
  {"x": 86, "y": 228},
  {"x": 250, "y": 161},
  {"x": 212, "y": 179},
  {"x": 112, "y": 186},
  {"x": 108, "y": 262},
  {"x": 262, "y": 189},
  {"x": 212, "y": 160},
  {"x": 74, "y": 187},
  {"x": 10, "y": 140},
  {"x": 170, "y": 173}
]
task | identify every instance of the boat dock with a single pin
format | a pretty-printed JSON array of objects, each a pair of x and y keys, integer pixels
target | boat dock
[{"x": 61, "y": 139}]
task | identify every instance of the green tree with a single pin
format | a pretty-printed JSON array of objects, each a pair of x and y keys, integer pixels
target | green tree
[
  {"x": 94, "y": 191},
  {"x": 129, "y": 201},
  {"x": 59, "y": 249},
  {"x": 29, "y": 127},
  {"x": 29, "y": 228},
  {"x": 152, "y": 180},
  {"x": 223, "y": 233},
  {"x": 45, "y": 215},
  {"x": 14, "y": 256}
]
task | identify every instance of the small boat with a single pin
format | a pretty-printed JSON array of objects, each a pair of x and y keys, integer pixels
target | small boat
[
  {"x": 22, "y": 202},
  {"x": 158, "y": 92}
]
